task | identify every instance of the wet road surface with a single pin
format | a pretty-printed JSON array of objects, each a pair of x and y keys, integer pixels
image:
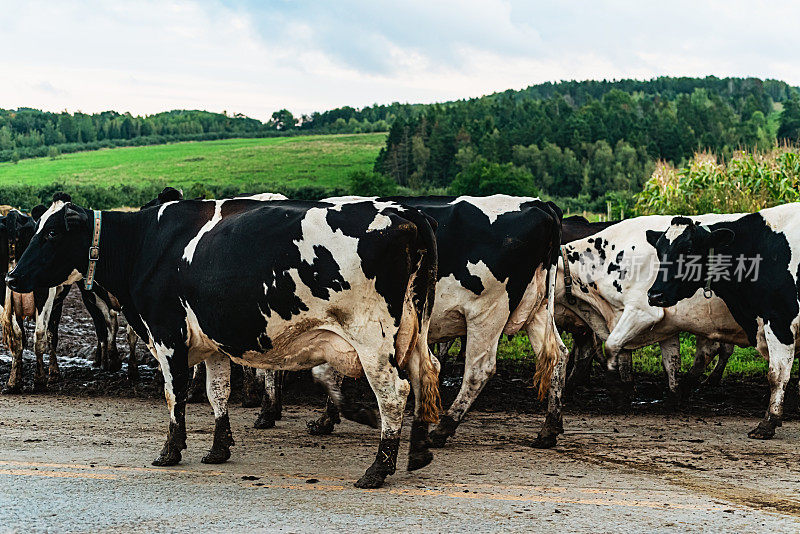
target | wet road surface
[{"x": 83, "y": 464}]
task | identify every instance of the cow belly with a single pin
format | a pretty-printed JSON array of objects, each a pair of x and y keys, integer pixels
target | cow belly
[
  {"x": 307, "y": 350},
  {"x": 532, "y": 299}
]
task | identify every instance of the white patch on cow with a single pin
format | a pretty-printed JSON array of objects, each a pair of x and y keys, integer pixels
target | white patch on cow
[
  {"x": 199, "y": 343},
  {"x": 162, "y": 354},
  {"x": 73, "y": 277},
  {"x": 263, "y": 197},
  {"x": 188, "y": 252},
  {"x": 380, "y": 222},
  {"x": 495, "y": 205},
  {"x": 164, "y": 206},
  {"x": 54, "y": 207}
]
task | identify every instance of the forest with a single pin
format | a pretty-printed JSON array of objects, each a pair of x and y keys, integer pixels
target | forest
[{"x": 584, "y": 143}]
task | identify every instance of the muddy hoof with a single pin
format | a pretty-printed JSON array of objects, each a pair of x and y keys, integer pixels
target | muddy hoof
[
  {"x": 264, "y": 423},
  {"x": 168, "y": 458},
  {"x": 419, "y": 459},
  {"x": 323, "y": 427},
  {"x": 217, "y": 456},
  {"x": 761, "y": 432},
  {"x": 40, "y": 386},
  {"x": 443, "y": 431},
  {"x": 547, "y": 441},
  {"x": 370, "y": 480},
  {"x": 363, "y": 416}
]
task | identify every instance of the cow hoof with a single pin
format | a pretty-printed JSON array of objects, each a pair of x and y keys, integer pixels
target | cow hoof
[
  {"x": 40, "y": 386},
  {"x": 264, "y": 423},
  {"x": 419, "y": 459},
  {"x": 547, "y": 441},
  {"x": 322, "y": 427},
  {"x": 217, "y": 456},
  {"x": 446, "y": 428},
  {"x": 363, "y": 416},
  {"x": 133, "y": 376},
  {"x": 167, "y": 458},
  {"x": 370, "y": 480},
  {"x": 761, "y": 432}
]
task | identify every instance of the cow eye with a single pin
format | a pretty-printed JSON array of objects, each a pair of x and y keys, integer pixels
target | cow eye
[{"x": 51, "y": 234}]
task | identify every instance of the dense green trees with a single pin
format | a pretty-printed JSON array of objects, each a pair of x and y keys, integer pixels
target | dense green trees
[
  {"x": 31, "y": 133},
  {"x": 588, "y": 138}
]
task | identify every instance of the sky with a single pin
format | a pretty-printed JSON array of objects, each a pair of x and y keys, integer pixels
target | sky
[{"x": 255, "y": 57}]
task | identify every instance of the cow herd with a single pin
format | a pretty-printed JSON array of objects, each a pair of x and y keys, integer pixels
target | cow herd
[{"x": 360, "y": 287}]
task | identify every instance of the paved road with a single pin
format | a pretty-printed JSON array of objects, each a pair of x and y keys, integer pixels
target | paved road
[{"x": 76, "y": 465}]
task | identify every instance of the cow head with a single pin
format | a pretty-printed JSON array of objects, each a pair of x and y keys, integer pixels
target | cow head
[
  {"x": 16, "y": 231},
  {"x": 58, "y": 250},
  {"x": 685, "y": 239}
]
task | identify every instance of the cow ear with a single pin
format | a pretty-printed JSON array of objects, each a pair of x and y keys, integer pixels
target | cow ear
[
  {"x": 653, "y": 237},
  {"x": 721, "y": 237},
  {"x": 74, "y": 218}
]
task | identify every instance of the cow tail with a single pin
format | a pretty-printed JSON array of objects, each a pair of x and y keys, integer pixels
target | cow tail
[
  {"x": 424, "y": 290},
  {"x": 552, "y": 347}
]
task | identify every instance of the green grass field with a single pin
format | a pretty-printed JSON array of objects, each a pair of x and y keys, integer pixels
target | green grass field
[{"x": 320, "y": 160}]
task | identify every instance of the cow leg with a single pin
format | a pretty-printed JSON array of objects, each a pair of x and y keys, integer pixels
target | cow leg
[
  {"x": 419, "y": 454},
  {"x": 391, "y": 392},
  {"x": 584, "y": 346},
  {"x": 671, "y": 360},
  {"x": 266, "y": 418},
  {"x": 15, "y": 344},
  {"x": 133, "y": 366},
  {"x": 544, "y": 339},
  {"x": 337, "y": 403},
  {"x": 251, "y": 387},
  {"x": 277, "y": 393},
  {"x": 724, "y": 352},
  {"x": 197, "y": 386},
  {"x": 218, "y": 389},
  {"x": 53, "y": 372},
  {"x": 703, "y": 355},
  {"x": 479, "y": 366},
  {"x": 175, "y": 369},
  {"x": 112, "y": 322},
  {"x": 781, "y": 358},
  {"x": 618, "y": 390}
]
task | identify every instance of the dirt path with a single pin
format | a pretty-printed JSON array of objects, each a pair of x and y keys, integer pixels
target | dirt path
[{"x": 76, "y": 464}]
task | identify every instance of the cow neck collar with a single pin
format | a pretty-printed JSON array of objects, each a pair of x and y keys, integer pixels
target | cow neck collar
[{"x": 94, "y": 250}]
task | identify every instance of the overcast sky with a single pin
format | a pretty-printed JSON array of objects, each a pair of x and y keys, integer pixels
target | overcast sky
[{"x": 255, "y": 57}]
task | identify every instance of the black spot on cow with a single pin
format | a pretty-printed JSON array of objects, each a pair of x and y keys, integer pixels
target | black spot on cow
[
  {"x": 599, "y": 246},
  {"x": 617, "y": 286},
  {"x": 612, "y": 267}
]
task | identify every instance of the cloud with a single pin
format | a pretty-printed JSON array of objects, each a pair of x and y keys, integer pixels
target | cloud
[{"x": 255, "y": 57}]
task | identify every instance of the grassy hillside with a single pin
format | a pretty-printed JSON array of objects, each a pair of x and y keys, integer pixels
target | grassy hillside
[{"x": 322, "y": 160}]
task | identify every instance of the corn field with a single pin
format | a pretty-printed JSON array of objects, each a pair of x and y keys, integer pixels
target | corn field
[{"x": 748, "y": 182}]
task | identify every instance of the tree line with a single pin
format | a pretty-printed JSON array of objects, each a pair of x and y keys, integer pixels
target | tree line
[{"x": 584, "y": 140}]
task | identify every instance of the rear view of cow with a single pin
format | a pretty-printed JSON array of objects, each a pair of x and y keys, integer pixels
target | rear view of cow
[
  {"x": 278, "y": 285},
  {"x": 497, "y": 267}
]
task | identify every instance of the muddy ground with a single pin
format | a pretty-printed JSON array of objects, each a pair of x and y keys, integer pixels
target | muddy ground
[{"x": 78, "y": 459}]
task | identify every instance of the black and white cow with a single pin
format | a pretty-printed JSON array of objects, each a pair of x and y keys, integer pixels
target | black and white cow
[
  {"x": 497, "y": 259},
  {"x": 765, "y": 302},
  {"x": 285, "y": 284},
  {"x": 610, "y": 273},
  {"x": 16, "y": 231}
]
